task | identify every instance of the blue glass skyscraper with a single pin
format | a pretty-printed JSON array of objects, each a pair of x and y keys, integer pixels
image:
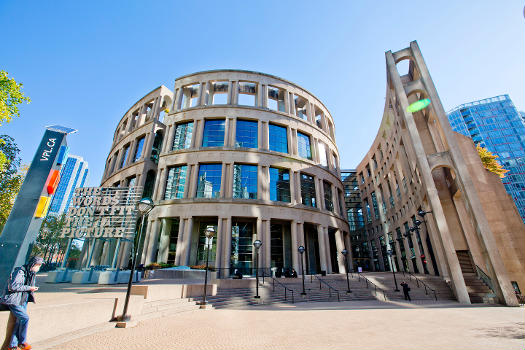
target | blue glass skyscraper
[
  {"x": 496, "y": 124},
  {"x": 74, "y": 174}
]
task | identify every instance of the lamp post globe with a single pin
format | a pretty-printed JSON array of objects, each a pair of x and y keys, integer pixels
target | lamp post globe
[
  {"x": 301, "y": 251},
  {"x": 345, "y": 254},
  {"x": 257, "y": 244},
  {"x": 209, "y": 233},
  {"x": 144, "y": 206}
]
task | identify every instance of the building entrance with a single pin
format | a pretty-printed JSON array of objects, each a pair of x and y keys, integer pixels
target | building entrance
[
  {"x": 243, "y": 235},
  {"x": 313, "y": 264},
  {"x": 281, "y": 245}
]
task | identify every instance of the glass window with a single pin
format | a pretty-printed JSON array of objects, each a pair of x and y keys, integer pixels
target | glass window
[
  {"x": 213, "y": 133},
  {"x": 322, "y": 154},
  {"x": 124, "y": 157},
  {"x": 303, "y": 145},
  {"x": 242, "y": 247},
  {"x": 278, "y": 138},
  {"x": 175, "y": 182},
  {"x": 209, "y": 183},
  {"x": 308, "y": 190},
  {"x": 138, "y": 149},
  {"x": 246, "y": 135},
  {"x": 183, "y": 134},
  {"x": 328, "y": 201},
  {"x": 279, "y": 185},
  {"x": 245, "y": 181}
]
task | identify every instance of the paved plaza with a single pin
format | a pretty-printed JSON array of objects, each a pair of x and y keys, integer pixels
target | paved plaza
[{"x": 352, "y": 325}]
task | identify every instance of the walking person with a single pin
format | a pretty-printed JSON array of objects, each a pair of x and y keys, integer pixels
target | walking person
[
  {"x": 18, "y": 292},
  {"x": 406, "y": 289}
]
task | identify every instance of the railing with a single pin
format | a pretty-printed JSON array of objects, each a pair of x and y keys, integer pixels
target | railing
[
  {"x": 285, "y": 289},
  {"x": 372, "y": 283},
  {"x": 485, "y": 278},
  {"x": 330, "y": 288},
  {"x": 427, "y": 287}
]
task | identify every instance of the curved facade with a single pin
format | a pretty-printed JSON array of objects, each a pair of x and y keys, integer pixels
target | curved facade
[
  {"x": 249, "y": 153},
  {"x": 427, "y": 200}
]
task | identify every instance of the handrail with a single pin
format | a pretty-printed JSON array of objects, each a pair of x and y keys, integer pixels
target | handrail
[
  {"x": 330, "y": 288},
  {"x": 410, "y": 274},
  {"x": 485, "y": 278},
  {"x": 360, "y": 275},
  {"x": 285, "y": 289}
]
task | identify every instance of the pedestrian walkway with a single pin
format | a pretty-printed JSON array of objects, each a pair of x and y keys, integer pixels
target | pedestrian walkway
[{"x": 345, "y": 325}]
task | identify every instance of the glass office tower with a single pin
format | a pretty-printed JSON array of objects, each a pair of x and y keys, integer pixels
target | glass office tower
[{"x": 496, "y": 124}]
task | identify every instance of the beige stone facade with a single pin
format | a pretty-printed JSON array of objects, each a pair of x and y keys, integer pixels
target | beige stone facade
[
  {"x": 211, "y": 115},
  {"x": 471, "y": 229}
]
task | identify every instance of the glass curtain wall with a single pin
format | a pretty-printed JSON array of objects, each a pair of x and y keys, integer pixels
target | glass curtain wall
[
  {"x": 242, "y": 247},
  {"x": 175, "y": 182},
  {"x": 213, "y": 133},
  {"x": 138, "y": 149},
  {"x": 278, "y": 138},
  {"x": 183, "y": 134},
  {"x": 308, "y": 190},
  {"x": 209, "y": 183},
  {"x": 279, "y": 185},
  {"x": 245, "y": 181},
  {"x": 246, "y": 135}
]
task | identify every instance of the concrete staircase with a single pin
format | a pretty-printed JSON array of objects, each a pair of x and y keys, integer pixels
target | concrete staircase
[
  {"x": 477, "y": 290},
  {"x": 381, "y": 288},
  {"x": 166, "y": 307}
]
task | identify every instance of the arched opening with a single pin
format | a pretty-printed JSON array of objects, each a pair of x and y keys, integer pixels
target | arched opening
[
  {"x": 149, "y": 184},
  {"x": 157, "y": 144},
  {"x": 164, "y": 108}
]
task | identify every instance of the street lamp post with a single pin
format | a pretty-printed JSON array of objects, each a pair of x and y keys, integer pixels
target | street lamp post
[
  {"x": 257, "y": 244},
  {"x": 345, "y": 253},
  {"x": 144, "y": 206},
  {"x": 210, "y": 232},
  {"x": 390, "y": 253},
  {"x": 301, "y": 251}
]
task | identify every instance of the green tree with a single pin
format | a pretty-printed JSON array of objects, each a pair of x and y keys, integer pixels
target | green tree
[
  {"x": 11, "y": 96},
  {"x": 489, "y": 161},
  {"x": 49, "y": 242},
  {"x": 11, "y": 176}
]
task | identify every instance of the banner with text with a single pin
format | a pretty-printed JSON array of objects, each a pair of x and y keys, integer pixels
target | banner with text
[{"x": 102, "y": 212}]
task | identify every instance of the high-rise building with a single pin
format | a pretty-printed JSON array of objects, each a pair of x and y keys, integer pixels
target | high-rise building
[
  {"x": 74, "y": 174},
  {"x": 494, "y": 123}
]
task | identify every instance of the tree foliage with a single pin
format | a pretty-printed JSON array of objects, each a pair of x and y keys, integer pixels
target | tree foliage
[
  {"x": 489, "y": 161},
  {"x": 11, "y": 96},
  {"x": 48, "y": 241},
  {"x": 11, "y": 176}
]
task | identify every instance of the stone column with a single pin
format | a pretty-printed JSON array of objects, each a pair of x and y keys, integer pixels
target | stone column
[
  {"x": 264, "y": 96},
  {"x": 160, "y": 185},
  {"x": 192, "y": 188},
  {"x": 291, "y": 104},
  {"x": 315, "y": 150},
  {"x": 298, "y": 187},
  {"x": 295, "y": 245},
  {"x": 328, "y": 253},
  {"x": 219, "y": 238},
  {"x": 153, "y": 242},
  {"x": 227, "y": 246},
  {"x": 267, "y": 246},
  {"x": 148, "y": 145},
  {"x": 180, "y": 242},
  {"x": 198, "y": 133},
  {"x": 301, "y": 241},
  {"x": 335, "y": 200},
  {"x": 164, "y": 242},
  {"x": 340, "y": 246},
  {"x": 264, "y": 142},
  {"x": 224, "y": 181},
  {"x": 231, "y": 133},
  {"x": 289, "y": 138},
  {"x": 322, "y": 247},
  {"x": 293, "y": 194},
  {"x": 260, "y": 180},
  {"x": 168, "y": 145},
  {"x": 294, "y": 150},
  {"x": 186, "y": 242},
  {"x": 319, "y": 193}
]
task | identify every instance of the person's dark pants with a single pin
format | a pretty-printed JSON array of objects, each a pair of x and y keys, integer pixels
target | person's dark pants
[
  {"x": 22, "y": 319},
  {"x": 407, "y": 296}
]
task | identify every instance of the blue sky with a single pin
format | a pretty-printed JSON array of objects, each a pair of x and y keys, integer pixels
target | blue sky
[{"x": 84, "y": 63}]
